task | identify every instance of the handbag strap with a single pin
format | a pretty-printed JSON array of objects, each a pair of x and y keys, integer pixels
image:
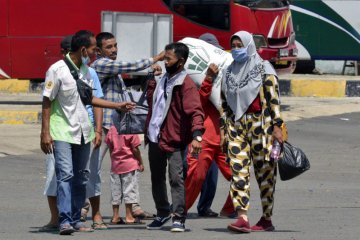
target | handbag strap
[
  {"x": 72, "y": 69},
  {"x": 142, "y": 98}
]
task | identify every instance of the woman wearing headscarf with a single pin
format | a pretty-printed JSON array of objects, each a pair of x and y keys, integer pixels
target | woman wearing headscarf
[{"x": 250, "y": 123}]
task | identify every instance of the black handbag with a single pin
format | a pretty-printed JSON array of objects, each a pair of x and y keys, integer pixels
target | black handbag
[
  {"x": 85, "y": 91},
  {"x": 293, "y": 162},
  {"x": 132, "y": 122}
]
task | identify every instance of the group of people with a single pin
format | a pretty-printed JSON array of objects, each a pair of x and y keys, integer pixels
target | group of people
[{"x": 183, "y": 131}]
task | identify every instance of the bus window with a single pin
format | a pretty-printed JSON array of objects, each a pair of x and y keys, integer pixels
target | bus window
[
  {"x": 211, "y": 13},
  {"x": 263, "y": 3}
]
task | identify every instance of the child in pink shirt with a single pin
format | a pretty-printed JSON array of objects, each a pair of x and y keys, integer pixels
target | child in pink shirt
[{"x": 126, "y": 162}]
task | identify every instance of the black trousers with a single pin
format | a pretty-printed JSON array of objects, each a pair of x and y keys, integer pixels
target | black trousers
[{"x": 158, "y": 162}]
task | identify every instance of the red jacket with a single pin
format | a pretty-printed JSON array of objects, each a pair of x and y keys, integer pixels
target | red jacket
[
  {"x": 212, "y": 115},
  {"x": 184, "y": 117}
]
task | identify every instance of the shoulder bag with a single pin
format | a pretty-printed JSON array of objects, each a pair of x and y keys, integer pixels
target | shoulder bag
[{"x": 85, "y": 91}]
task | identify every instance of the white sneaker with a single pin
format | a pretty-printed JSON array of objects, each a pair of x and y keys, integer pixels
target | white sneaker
[{"x": 177, "y": 226}]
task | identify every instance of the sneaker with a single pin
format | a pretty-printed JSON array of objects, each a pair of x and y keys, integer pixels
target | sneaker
[
  {"x": 158, "y": 223},
  {"x": 240, "y": 226},
  {"x": 177, "y": 226},
  {"x": 263, "y": 225}
]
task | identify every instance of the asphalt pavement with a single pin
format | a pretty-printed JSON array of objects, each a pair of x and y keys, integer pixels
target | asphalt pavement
[{"x": 323, "y": 203}]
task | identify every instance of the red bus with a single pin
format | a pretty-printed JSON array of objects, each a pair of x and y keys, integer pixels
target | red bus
[{"x": 31, "y": 30}]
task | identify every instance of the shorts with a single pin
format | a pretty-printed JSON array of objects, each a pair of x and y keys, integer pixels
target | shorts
[{"x": 124, "y": 187}]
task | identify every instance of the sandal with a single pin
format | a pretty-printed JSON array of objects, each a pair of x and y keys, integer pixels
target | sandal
[
  {"x": 83, "y": 215},
  {"x": 66, "y": 229},
  {"x": 81, "y": 227},
  {"x": 99, "y": 226},
  {"x": 120, "y": 221},
  {"x": 144, "y": 215}
]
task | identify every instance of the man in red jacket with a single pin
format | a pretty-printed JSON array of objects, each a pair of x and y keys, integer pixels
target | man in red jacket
[
  {"x": 198, "y": 166},
  {"x": 202, "y": 169},
  {"x": 175, "y": 120}
]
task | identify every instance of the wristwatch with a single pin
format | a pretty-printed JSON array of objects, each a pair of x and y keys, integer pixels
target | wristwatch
[{"x": 198, "y": 138}]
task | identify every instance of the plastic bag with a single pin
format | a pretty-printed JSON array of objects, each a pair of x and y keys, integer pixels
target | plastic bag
[{"x": 293, "y": 162}]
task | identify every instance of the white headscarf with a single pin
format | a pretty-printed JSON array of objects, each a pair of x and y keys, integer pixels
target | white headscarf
[{"x": 242, "y": 81}]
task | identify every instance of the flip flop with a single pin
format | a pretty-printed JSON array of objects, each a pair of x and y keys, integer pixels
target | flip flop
[
  {"x": 99, "y": 226},
  {"x": 137, "y": 221},
  {"x": 144, "y": 215},
  {"x": 66, "y": 229},
  {"x": 81, "y": 227},
  {"x": 120, "y": 221}
]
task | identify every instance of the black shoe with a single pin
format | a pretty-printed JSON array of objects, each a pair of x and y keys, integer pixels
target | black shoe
[
  {"x": 158, "y": 223},
  {"x": 208, "y": 213}
]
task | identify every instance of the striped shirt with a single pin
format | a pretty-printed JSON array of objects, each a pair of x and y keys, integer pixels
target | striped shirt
[{"x": 108, "y": 72}]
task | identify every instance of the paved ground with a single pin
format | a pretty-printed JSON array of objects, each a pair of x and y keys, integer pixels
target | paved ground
[{"x": 323, "y": 203}]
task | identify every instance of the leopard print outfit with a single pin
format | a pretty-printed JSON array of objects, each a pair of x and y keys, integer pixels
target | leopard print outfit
[{"x": 249, "y": 140}]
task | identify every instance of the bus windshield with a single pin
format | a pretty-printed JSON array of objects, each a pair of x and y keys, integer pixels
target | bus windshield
[
  {"x": 263, "y": 3},
  {"x": 211, "y": 13}
]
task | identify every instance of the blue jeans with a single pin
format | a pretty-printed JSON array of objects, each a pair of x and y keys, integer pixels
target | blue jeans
[
  {"x": 72, "y": 174},
  {"x": 93, "y": 186}
]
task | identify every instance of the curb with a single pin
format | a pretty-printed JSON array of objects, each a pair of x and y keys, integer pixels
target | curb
[
  {"x": 319, "y": 88},
  {"x": 14, "y": 86},
  {"x": 19, "y": 117},
  {"x": 293, "y": 87}
]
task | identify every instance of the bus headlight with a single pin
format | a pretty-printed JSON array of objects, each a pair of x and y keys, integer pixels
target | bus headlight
[
  {"x": 260, "y": 41},
  {"x": 292, "y": 38},
  {"x": 295, "y": 52},
  {"x": 283, "y": 52}
]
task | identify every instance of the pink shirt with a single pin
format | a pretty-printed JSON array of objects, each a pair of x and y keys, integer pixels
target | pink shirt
[{"x": 122, "y": 157}]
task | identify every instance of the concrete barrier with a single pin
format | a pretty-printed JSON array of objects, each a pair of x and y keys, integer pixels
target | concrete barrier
[
  {"x": 14, "y": 86},
  {"x": 295, "y": 85},
  {"x": 319, "y": 88},
  {"x": 19, "y": 117}
]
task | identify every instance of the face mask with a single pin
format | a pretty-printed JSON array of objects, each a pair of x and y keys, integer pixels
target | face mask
[
  {"x": 172, "y": 69},
  {"x": 85, "y": 60},
  {"x": 240, "y": 54}
]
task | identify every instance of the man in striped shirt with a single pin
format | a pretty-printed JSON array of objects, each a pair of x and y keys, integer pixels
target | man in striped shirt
[{"x": 109, "y": 70}]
